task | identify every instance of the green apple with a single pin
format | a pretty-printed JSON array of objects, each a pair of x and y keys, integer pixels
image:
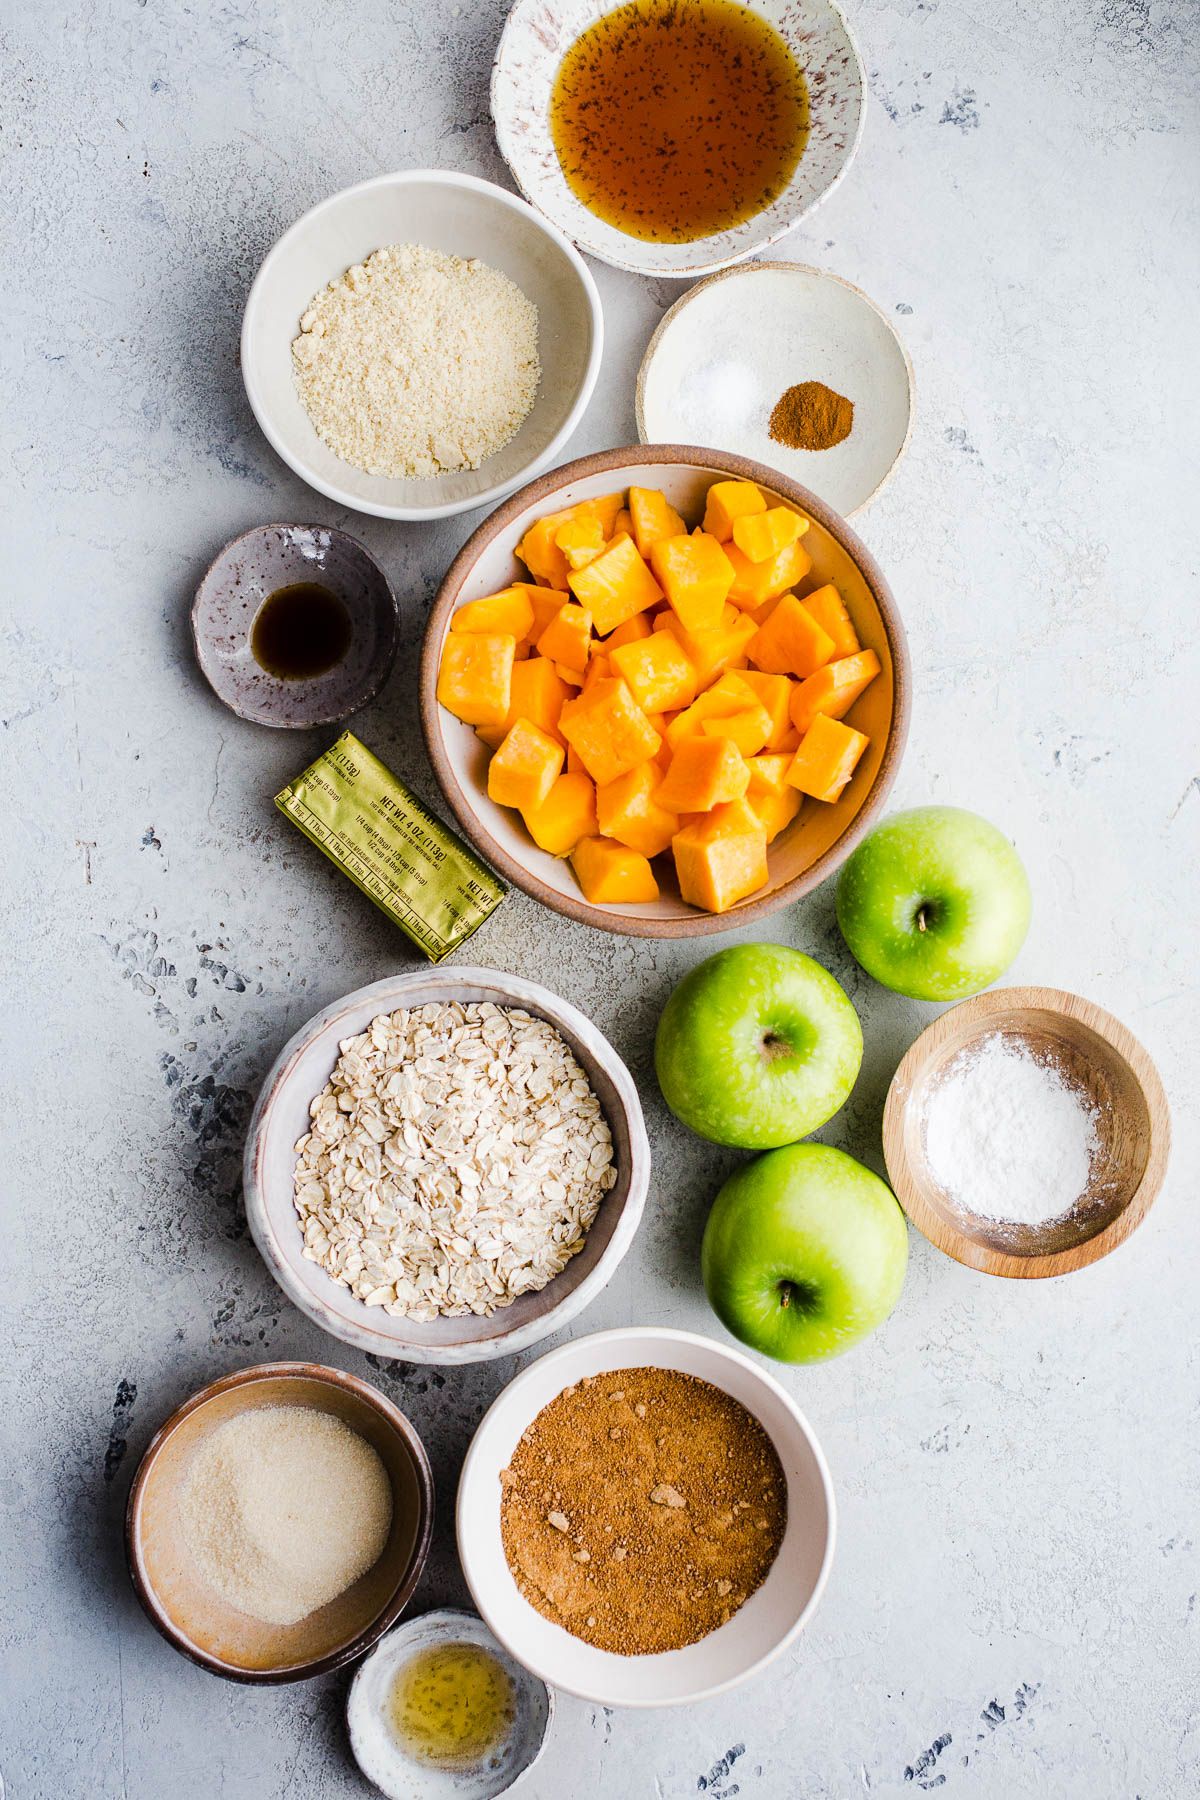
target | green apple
[
  {"x": 804, "y": 1253},
  {"x": 934, "y": 903},
  {"x": 757, "y": 1046}
]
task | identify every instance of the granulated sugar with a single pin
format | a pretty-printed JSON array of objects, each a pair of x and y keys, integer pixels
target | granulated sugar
[
  {"x": 283, "y": 1509},
  {"x": 1007, "y": 1136},
  {"x": 415, "y": 362}
]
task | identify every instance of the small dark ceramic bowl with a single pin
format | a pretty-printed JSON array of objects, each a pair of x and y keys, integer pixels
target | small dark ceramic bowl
[{"x": 256, "y": 565}]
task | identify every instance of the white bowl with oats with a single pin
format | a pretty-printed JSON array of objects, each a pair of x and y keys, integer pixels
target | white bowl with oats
[
  {"x": 446, "y": 1166},
  {"x": 421, "y": 344}
]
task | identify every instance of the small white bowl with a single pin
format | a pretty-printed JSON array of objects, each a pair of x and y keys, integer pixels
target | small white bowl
[
  {"x": 281, "y": 1116},
  {"x": 731, "y": 346},
  {"x": 465, "y": 217},
  {"x": 402, "y": 1777},
  {"x": 535, "y": 39},
  {"x": 759, "y": 1631}
]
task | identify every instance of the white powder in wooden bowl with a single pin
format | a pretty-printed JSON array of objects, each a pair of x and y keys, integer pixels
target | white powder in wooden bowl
[
  {"x": 415, "y": 363},
  {"x": 283, "y": 1508}
]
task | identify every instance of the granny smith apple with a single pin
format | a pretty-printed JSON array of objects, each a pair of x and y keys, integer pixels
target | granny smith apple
[
  {"x": 757, "y": 1046},
  {"x": 934, "y": 903},
  {"x": 804, "y": 1253}
]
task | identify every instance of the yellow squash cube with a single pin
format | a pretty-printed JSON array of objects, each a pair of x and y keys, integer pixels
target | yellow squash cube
[
  {"x": 721, "y": 858},
  {"x": 567, "y": 814},
  {"x": 506, "y": 614},
  {"x": 611, "y": 875},
  {"x": 760, "y": 536},
  {"x": 475, "y": 677},
  {"x": 728, "y": 501},
  {"x": 791, "y": 642},
  {"x": 608, "y": 730},
  {"x": 660, "y": 677},
  {"x": 615, "y": 586},
  {"x": 567, "y": 639},
  {"x": 828, "y": 756},
  {"x": 703, "y": 773},
  {"x": 525, "y": 767},
  {"x": 627, "y": 810},
  {"x": 696, "y": 577},
  {"x": 653, "y": 517}
]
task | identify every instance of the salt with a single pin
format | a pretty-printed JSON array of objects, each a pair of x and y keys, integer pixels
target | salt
[
  {"x": 715, "y": 399},
  {"x": 1007, "y": 1136}
]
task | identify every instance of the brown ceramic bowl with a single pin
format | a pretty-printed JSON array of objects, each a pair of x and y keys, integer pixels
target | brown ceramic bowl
[
  {"x": 820, "y": 838},
  {"x": 194, "y": 1619}
]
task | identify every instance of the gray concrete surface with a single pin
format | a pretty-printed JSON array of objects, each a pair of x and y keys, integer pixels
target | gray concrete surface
[{"x": 1013, "y": 1611}]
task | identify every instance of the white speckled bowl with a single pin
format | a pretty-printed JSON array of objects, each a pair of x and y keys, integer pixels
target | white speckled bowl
[
  {"x": 281, "y": 1116},
  {"x": 536, "y": 37},
  {"x": 465, "y": 217},
  {"x": 771, "y": 1619}
]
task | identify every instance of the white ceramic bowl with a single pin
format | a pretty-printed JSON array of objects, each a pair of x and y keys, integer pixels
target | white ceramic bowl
[
  {"x": 769, "y": 1621},
  {"x": 766, "y": 326},
  {"x": 281, "y": 1116},
  {"x": 465, "y": 217},
  {"x": 536, "y": 37}
]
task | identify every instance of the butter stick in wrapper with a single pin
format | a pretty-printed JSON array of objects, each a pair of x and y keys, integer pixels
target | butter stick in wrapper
[{"x": 392, "y": 847}]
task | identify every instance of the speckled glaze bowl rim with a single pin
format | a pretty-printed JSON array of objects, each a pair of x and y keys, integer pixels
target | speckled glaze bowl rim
[
  {"x": 646, "y": 266},
  {"x": 386, "y": 995},
  {"x": 363, "y": 1640},
  {"x": 778, "y": 263},
  {"x": 448, "y": 1619},
  {"x": 443, "y": 509},
  {"x": 695, "y": 924},
  {"x": 380, "y": 670}
]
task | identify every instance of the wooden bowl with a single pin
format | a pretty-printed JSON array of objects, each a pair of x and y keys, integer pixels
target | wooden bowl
[
  {"x": 820, "y": 838},
  {"x": 1105, "y": 1061},
  {"x": 281, "y": 1116},
  {"x": 195, "y": 1619}
]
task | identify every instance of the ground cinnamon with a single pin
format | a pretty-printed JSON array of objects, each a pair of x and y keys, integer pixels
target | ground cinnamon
[
  {"x": 811, "y": 416},
  {"x": 640, "y": 1509}
]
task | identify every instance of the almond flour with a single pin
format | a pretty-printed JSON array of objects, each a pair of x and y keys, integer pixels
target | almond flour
[{"x": 417, "y": 363}]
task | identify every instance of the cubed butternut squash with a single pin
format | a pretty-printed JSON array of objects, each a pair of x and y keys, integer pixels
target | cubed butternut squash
[
  {"x": 726, "y": 696},
  {"x": 791, "y": 642},
  {"x": 775, "y": 812},
  {"x": 660, "y": 677},
  {"x": 567, "y": 638},
  {"x": 525, "y": 767},
  {"x": 572, "y": 677},
  {"x": 475, "y": 677},
  {"x": 756, "y": 582},
  {"x": 727, "y": 501},
  {"x": 653, "y": 518},
  {"x": 507, "y": 614},
  {"x": 627, "y": 810},
  {"x": 567, "y": 814},
  {"x": 599, "y": 669},
  {"x": 768, "y": 773},
  {"x": 760, "y": 536},
  {"x": 832, "y": 690},
  {"x": 695, "y": 575},
  {"x": 703, "y": 773},
  {"x": 829, "y": 610},
  {"x": 828, "y": 756},
  {"x": 629, "y": 633},
  {"x": 580, "y": 540},
  {"x": 711, "y": 652},
  {"x": 615, "y": 586},
  {"x": 721, "y": 858},
  {"x": 622, "y": 524},
  {"x": 748, "y": 728},
  {"x": 537, "y": 694},
  {"x": 609, "y": 730},
  {"x": 538, "y": 550},
  {"x": 774, "y": 692},
  {"x": 612, "y": 875}
]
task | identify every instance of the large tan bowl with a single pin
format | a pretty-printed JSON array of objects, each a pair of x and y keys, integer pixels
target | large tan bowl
[
  {"x": 820, "y": 838},
  {"x": 195, "y": 1619}
]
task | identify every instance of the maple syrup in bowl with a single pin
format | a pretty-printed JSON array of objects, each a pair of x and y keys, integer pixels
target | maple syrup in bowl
[{"x": 673, "y": 137}]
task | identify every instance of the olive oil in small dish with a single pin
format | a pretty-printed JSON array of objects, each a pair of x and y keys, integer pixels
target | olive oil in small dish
[
  {"x": 451, "y": 1704},
  {"x": 301, "y": 631},
  {"x": 675, "y": 119}
]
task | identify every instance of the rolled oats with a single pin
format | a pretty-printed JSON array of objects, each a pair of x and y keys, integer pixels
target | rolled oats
[{"x": 455, "y": 1160}]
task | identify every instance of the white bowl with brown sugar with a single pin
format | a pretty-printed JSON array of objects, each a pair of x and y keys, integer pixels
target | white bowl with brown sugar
[{"x": 650, "y": 1518}]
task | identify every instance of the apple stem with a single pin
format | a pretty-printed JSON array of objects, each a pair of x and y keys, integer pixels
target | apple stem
[{"x": 921, "y": 919}]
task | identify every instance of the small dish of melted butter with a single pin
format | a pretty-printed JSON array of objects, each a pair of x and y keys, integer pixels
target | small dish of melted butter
[{"x": 440, "y": 1709}]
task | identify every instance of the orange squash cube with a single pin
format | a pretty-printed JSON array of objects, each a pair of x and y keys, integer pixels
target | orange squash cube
[
  {"x": 599, "y": 669},
  {"x": 696, "y": 577},
  {"x": 760, "y": 536},
  {"x": 572, "y": 677},
  {"x": 545, "y": 602},
  {"x": 775, "y": 812},
  {"x": 567, "y": 814},
  {"x": 660, "y": 677},
  {"x": 627, "y": 810},
  {"x": 622, "y": 524},
  {"x": 829, "y": 610},
  {"x": 580, "y": 539},
  {"x": 538, "y": 550},
  {"x": 703, "y": 773},
  {"x": 653, "y": 518},
  {"x": 756, "y": 582},
  {"x": 832, "y": 690},
  {"x": 615, "y": 586},
  {"x": 748, "y": 729},
  {"x": 612, "y": 875},
  {"x": 609, "y": 730},
  {"x": 721, "y": 858},
  {"x": 727, "y": 501},
  {"x": 774, "y": 692},
  {"x": 827, "y": 758},
  {"x": 726, "y": 696},
  {"x": 525, "y": 767},
  {"x": 629, "y": 633},
  {"x": 768, "y": 774},
  {"x": 507, "y": 614},
  {"x": 710, "y": 652},
  {"x": 791, "y": 642},
  {"x": 538, "y": 693},
  {"x": 475, "y": 677},
  {"x": 567, "y": 639}
]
